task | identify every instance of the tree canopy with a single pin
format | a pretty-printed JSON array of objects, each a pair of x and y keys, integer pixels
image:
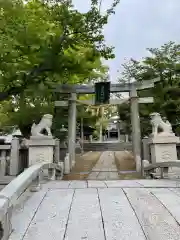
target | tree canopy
[
  {"x": 163, "y": 62},
  {"x": 43, "y": 43}
]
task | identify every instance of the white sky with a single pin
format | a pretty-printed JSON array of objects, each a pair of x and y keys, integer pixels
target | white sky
[{"x": 137, "y": 25}]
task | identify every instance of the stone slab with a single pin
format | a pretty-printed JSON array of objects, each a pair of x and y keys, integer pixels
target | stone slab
[
  {"x": 56, "y": 184},
  {"x": 41, "y": 141},
  {"x": 93, "y": 175},
  {"x": 122, "y": 183},
  {"x": 154, "y": 218},
  {"x": 120, "y": 221},
  {"x": 163, "y": 139},
  {"x": 40, "y": 154},
  {"x": 158, "y": 183},
  {"x": 97, "y": 212},
  {"x": 170, "y": 200},
  {"x": 24, "y": 213},
  {"x": 78, "y": 184},
  {"x": 51, "y": 219},
  {"x": 85, "y": 220},
  {"x": 96, "y": 184},
  {"x": 175, "y": 190}
]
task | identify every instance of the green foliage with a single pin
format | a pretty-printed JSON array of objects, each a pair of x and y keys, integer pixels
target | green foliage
[
  {"x": 42, "y": 43},
  {"x": 163, "y": 62},
  {"x": 125, "y": 117}
]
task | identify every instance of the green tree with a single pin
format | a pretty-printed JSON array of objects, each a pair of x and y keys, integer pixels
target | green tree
[
  {"x": 41, "y": 40},
  {"x": 163, "y": 62},
  {"x": 125, "y": 117},
  {"x": 43, "y": 43}
]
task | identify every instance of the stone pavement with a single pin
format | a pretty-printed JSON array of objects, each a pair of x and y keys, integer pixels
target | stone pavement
[
  {"x": 105, "y": 168},
  {"x": 99, "y": 210}
]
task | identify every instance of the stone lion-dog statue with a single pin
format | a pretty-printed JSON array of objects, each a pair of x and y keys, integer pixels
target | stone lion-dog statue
[
  {"x": 158, "y": 123},
  {"x": 44, "y": 124}
]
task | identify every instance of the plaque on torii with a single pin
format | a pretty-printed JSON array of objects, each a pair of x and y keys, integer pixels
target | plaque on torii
[{"x": 102, "y": 93}]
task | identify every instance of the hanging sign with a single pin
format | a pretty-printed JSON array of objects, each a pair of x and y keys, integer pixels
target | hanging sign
[{"x": 102, "y": 93}]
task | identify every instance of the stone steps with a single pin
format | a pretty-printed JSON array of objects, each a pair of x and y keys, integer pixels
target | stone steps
[{"x": 107, "y": 146}]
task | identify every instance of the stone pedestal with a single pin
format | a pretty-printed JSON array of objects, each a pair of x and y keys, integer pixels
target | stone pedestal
[
  {"x": 41, "y": 149},
  {"x": 163, "y": 148}
]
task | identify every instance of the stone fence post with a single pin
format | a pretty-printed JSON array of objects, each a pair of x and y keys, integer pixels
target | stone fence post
[
  {"x": 57, "y": 151},
  {"x": 14, "y": 157}
]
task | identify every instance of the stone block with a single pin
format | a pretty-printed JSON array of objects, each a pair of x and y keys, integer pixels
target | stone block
[
  {"x": 41, "y": 149},
  {"x": 163, "y": 148},
  {"x": 14, "y": 157}
]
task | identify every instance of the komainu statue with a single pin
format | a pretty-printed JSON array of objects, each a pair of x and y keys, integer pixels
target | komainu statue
[
  {"x": 44, "y": 124},
  {"x": 158, "y": 124}
]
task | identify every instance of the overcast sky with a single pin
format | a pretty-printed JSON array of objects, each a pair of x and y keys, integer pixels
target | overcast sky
[{"x": 137, "y": 25}]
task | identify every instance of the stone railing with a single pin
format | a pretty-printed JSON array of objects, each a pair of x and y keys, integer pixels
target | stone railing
[
  {"x": 150, "y": 170},
  {"x": 30, "y": 178},
  {"x": 14, "y": 157},
  {"x": 5, "y": 151}
]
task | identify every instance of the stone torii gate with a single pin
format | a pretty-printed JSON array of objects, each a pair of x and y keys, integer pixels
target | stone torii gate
[{"x": 131, "y": 88}]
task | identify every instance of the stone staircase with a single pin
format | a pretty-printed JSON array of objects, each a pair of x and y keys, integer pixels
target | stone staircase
[{"x": 106, "y": 146}]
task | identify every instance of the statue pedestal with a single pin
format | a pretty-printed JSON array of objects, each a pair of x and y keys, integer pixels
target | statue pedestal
[
  {"x": 41, "y": 149},
  {"x": 163, "y": 148}
]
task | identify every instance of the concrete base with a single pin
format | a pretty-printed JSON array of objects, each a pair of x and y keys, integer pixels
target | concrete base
[
  {"x": 41, "y": 149},
  {"x": 163, "y": 148}
]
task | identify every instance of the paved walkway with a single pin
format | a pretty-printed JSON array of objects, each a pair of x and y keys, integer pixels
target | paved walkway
[
  {"x": 99, "y": 210},
  {"x": 105, "y": 168}
]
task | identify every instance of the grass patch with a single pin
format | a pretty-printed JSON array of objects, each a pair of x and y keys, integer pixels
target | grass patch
[
  {"x": 84, "y": 163},
  {"x": 125, "y": 162}
]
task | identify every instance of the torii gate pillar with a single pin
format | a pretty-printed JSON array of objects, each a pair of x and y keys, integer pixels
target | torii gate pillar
[
  {"x": 72, "y": 129},
  {"x": 136, "y": 130}
]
